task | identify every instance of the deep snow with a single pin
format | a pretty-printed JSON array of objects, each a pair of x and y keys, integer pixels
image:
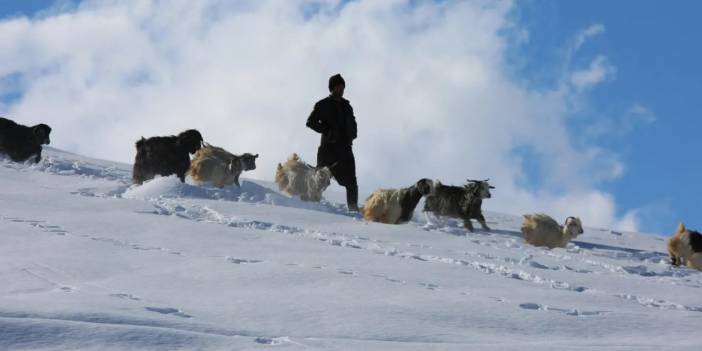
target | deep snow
[{"x": 89, "y": 262}]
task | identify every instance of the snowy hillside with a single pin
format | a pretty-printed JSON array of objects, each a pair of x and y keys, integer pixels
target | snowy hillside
[{"x": 88, "y": 262}]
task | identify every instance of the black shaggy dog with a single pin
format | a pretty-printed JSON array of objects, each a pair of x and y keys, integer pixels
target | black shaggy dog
[
  {"x": 20, "y": 142},
  {"x": 460, "y": 202},
  {"x": 165, "y": 155}
]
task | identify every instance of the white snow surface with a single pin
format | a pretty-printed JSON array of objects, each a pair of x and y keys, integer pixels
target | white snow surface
[{"x": 90, "y": 262}]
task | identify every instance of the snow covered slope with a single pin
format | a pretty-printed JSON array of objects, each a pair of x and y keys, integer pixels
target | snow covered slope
[{"x": 88, "y": 262}]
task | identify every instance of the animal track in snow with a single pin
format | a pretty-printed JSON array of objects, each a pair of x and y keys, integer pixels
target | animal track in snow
[
  {"x": 429, "y": 286},
  {"x": 51, "y": 276},
  {"x": 389, "y": 279},
  {"x": 165, "y": 206},
  {"x": 126, "y": 296},
  {"x": 39, "y": 224},
  {"x": 58, "y": 165},
  {"x": 133, "y": 246},
  {"x": 657, "y": 303},
  {"x": 570, "y": 312},
  {"x": 271, "y": 341},
  {"x": 169, "y": 311},
  {"x": 58, "y": 230},
  {"x": 242, "y": 261}
]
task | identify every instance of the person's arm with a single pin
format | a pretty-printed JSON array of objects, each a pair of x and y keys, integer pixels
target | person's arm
[
  {"x": 314, "y": 121},
  {"x": 352, "y": 127}
]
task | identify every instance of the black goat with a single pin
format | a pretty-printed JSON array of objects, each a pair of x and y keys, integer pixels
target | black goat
[
  {"x": 460, "y": 202},
  {"x": 20, "y": 142},
  {"x": 165, "y": 155}
]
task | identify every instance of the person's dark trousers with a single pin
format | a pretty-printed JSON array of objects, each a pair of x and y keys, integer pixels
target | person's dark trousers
[{"x": 339, "y": 158}]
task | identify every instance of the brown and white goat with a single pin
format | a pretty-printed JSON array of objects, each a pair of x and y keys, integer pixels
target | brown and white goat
[
  {"x": 220, "y": 167},
  {"x": 685, "y": 248},
  {"x": 296, "y": 177},
  {"x": 395, "y": 206}
]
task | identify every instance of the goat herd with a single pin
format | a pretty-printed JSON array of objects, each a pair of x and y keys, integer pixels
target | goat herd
[{"x": 170, "y": 155}]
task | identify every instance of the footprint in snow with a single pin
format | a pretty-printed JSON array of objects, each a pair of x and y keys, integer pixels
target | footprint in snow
[
  {"x": 569, "y": 312},
  {"x": 538, "y": 265},
  {"x": 168, "y": 310},
  {"x": 242, "y": 261},
  {"x": 429, "y": 286},
  {"x": 126, "y": 296},
  {"x": 392, "y": 280},
  {"x": 271, "y": 341}
]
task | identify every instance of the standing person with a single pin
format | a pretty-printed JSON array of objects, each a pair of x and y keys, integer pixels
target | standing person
[{"x": 333, "y": 118}]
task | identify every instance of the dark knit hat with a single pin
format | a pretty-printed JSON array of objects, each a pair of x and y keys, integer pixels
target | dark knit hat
[{"x": 336, "y": 80}]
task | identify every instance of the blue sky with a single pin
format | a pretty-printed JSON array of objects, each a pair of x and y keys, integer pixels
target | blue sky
[
  {"x": 23, "y": 7},
  {"x": 655, "y": 48}
]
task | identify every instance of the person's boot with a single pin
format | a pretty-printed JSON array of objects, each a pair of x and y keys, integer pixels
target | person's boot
[{"x": 352, "y": 197}]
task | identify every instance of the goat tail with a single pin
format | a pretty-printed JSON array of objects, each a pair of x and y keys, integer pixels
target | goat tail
[
  {"x": 681, "y": 228},
  {"x": 281, "y": 178}
]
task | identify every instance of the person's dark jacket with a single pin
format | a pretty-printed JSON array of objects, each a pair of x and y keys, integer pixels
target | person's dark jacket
[{"x": 333, "y": 119}]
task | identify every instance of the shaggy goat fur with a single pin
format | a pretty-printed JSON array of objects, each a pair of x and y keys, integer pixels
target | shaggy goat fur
[
  {"x": 395, "y": 206},
  {"x": 216, "y": 165},
  {"x": 298, "y": 178},
  {"x": 542, "y": 230},
  {"x": 461, "y": 202},
  {"x": 685, "y": 248},
  {"x": 165, "y": 155},
  {"x": 20, "y": 142}
]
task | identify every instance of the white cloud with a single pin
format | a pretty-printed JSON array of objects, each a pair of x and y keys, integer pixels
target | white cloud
[
  {"x": 600, "y": 70},
  {"x": 587, "y": 33},
  {"x": 641, "y": 114},
  {"x": 427, "y": 81}
]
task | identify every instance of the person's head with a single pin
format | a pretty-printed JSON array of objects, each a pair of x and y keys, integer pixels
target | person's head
[{"x": 337, "y": 85}]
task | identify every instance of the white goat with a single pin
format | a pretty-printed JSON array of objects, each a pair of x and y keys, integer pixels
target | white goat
[
  {"x": 298, "y": 178},
  {"x": 542, "y": 230}
]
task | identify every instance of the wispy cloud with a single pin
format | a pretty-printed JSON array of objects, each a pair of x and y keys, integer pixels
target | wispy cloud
[
  {"x": 639, "y": 113},
  {"x": 427, "y": 81},
  {"x": 600, "y": 70},
  {"x": 587, "y": 33}
]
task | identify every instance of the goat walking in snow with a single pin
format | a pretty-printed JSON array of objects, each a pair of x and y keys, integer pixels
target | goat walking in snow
[
  {"x": 395, "y": 206},
  {"x": 296, "y": 177},
  {"x": 20, "y": 142},
  {"x": 542, "y": 230},
  {"x": 685, "y": 248},
  {"x": 165, "y": 155},
  {"x": 220, "y": 167},
  {"x": 460, "y": 202}
]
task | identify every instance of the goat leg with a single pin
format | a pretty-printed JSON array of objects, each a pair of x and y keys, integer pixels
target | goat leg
[
  {"x": 481, "y": 220},
  {"x": 468, "y": 224}
]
